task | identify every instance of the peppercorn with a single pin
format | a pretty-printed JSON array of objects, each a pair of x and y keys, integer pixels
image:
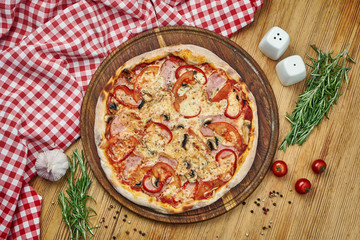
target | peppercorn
[{"x": 252, "y": 211}]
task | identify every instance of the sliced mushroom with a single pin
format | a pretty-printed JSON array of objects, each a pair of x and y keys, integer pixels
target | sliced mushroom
[
  {"x": 207, "y": 121},
  {"x": 246, "y": 130},
  {"x": 166, "y": 116},
  {"x": 184, "y": 141},
  {"x": 183, "y": 179},
  {"x": 108, "y": 118},
  {"x": 155, "y": 181},
  {"x": 147, "y": 97},
  {"x": 141, "y": 104},
  {"x": 113, "y": 106},
  {"x": 213, "y": 144},
  {"x": 191, "y": 176}
]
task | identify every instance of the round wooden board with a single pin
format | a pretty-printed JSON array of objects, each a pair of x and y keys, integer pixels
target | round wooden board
[{"x": 240, "y": 61}]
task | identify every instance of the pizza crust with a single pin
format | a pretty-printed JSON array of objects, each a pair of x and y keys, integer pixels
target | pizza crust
[{"x": 194, "y": 55}]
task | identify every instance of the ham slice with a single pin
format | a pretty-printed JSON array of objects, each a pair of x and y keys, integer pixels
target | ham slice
[
  {"x": 173, "y": 163},
  {"x": 167, "y": 71},
  {"x": 214, "y": 83},
  {"x": 131, "y": 163}
]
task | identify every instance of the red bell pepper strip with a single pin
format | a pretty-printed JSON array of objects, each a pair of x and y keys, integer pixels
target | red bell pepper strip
[
  {"x": 140, "y": 80},
  {"x": 128, "y": 92}
]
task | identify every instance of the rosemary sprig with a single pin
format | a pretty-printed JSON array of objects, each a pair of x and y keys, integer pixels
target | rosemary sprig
[
  {"x": 73, "y": 208},
  {"x": 322, "y": 91}
]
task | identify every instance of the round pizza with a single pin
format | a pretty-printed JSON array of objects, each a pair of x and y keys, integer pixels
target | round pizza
[{"x": 176, "y": 128}]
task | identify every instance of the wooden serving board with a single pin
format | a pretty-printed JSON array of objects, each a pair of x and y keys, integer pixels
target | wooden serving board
[{"x": 230, "y": 53}]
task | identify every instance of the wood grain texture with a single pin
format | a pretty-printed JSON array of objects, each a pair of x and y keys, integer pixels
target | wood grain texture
[
  {"x": 240, "y": 61},
  {"x": 330, "y": 210}
]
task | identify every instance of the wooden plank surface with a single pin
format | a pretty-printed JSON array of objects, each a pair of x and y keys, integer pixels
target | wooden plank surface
[{"x": 329, "y": 211}]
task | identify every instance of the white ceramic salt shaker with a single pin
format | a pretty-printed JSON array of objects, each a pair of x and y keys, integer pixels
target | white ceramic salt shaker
[
  {"x": 291, "y": 70},
  {"x": 274, "y": 43}
]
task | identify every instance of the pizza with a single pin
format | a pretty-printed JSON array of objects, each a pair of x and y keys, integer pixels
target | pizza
[{"x": 175, "y": 128}]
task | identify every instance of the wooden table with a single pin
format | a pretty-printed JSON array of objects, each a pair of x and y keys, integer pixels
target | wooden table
[{"x": 329, "y": 211}]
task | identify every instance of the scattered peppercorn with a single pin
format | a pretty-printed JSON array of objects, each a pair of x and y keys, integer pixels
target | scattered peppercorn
[
  {"x": 140, "y": 232},
  {"x": 106, "y": 226},
  {"x": 143, "y": 234},
  {"x": 125, "y": 216},
  {"x": 281, "y": 195},
  {"x": 114, "y": 237},
  {"x": 274, "y": 204},
  {"x": 124, "y": 220},
  {"x": 243, "y": 203},
  {"x": 269, "y": 226},
  {"x": 114, "y": 217},
  {"x": 258, "y": 199},
  {"x": 135, "y": 229},
  {"x": 255, "y": 202},
  {"x": 263, "y": 208},
  {"x": 117, "y": 212},
  {"x": 258, "y": 204},
  {"x": 127, "y": 232},
  {"x": 277, "y": 193},
  {"x": 252, "y": 211},
  {"x": 289, "y": 202},
  {"x": 264, "y": 228},
  {"x": 273, "y": 191}
]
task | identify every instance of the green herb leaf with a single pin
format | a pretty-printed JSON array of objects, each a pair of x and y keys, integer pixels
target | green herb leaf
[
  {"x": 73, "y": 208},
  {"x": 323, "y": 88}
]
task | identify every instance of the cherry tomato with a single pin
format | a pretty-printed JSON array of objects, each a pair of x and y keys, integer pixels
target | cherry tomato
[
  {"x": 279, "y": 168},
  {"x": 318, "y": 166},
  {"x": 302, "y": 186}
]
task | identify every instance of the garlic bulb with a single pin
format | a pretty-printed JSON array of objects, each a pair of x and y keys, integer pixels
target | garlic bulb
[{"x": 51, "y": 165}]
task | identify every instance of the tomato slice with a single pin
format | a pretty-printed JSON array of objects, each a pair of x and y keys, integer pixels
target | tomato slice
[
  {"x": 124, "y": 96},
  {"x": 204, "y": 189},
  {"x": 144, "y": 77},
  {"x": 187, "y": 77},
  {"x": 223, "y": 157},
  {"x": 194, "y": 69},
  {"x": 227, "y": 131},
  {"x": 248, "y": 114},
  {"x": 223, "y": 93},
  {"x": 119, "y": 149},
  {"x": 166, "y": 132}
]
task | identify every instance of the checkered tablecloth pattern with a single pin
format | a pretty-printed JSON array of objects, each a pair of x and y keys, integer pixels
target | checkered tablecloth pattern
[{"x": 49, "y": 51}]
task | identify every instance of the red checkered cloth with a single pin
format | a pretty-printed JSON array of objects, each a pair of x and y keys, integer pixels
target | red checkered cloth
[{"x": 49, "y": 51}]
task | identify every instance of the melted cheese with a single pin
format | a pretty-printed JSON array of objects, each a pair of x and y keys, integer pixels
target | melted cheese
[{"x": 193, "y": 155}]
